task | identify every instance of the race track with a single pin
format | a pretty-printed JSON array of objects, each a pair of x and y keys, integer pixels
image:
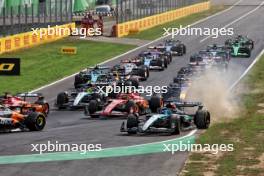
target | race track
[{"x": 74, "y": 127}]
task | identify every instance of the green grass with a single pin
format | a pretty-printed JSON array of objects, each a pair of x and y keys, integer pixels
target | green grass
[
  {"x": 245, "y": 132},
  {"x": 158, "y": 31},
  {"x": 44, "y": 64}
]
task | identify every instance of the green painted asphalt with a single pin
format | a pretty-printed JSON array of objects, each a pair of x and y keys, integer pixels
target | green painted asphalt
[{"x": 157, "y": 147}]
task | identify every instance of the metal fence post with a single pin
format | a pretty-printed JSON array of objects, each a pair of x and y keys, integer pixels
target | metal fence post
[
  {"x": 50, "y": 9},
  {"x": 12, "y": 19},
  {"x": 66, "y": 11},
  {"x": 56, "y": 14},
  {"x": 71, "y": 11},
  {"x": 32, "y": 13},
  {"x": 61, "y": 11},
  {"x": 19, "y": 18},
  {"x": 45, "y": 12},
  {"x": 117, "y": 11}
]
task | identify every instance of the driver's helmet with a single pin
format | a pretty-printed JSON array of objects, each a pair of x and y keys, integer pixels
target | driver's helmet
[
  {"x": 171, "y": 106},
  {"x": 165, "y": 111}
]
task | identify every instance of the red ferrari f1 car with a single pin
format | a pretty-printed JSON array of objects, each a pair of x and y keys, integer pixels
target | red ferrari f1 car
[
  {"x": 123, "y": 105},
  {"x": 21, "y": 102}
]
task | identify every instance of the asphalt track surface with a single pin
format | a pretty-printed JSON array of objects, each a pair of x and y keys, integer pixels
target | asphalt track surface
[{"x": 73, "y": 127}]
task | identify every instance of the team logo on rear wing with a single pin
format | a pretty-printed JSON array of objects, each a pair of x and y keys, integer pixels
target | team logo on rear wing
[{"x": 9, "y": 66}]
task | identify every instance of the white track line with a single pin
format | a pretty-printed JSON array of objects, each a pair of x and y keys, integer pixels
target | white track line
[
  {"x": 236, "y": 20},
  {"x": 195, "y": 23},
  {"x": 247, "y": 70},
  {"x": 180, "y": 138}
]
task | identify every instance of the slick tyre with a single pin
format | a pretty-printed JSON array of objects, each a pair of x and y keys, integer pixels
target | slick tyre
[
  {"x": 143, "y": 72},
  {"x": 155, "y": 103},
  {"x": 131, "y": 107},
  {"x": 175, "y": 125},
  {"x": 62, "y": 98},
  {"x": 78, "y": 80},
  {"x": 132, "y": 122},
  {"x": 202, "y": 119},
  {"x": 92, "y": 108},
  {"x": 35, "y": 121}
]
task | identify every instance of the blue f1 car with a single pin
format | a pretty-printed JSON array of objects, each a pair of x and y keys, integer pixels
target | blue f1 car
[{"x": 170, "y": 118}]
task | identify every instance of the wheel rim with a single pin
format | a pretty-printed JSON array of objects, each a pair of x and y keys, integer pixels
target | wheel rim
[{"x": 40, "y": 121}]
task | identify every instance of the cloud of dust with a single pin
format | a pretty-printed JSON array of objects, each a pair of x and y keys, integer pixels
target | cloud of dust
[{"x": 212, "y": 89}]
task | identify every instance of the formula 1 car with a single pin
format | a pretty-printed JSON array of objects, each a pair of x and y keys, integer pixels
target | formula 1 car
[
  {"x": 121, "y": 106},
  {"x": 170, "y": 119},
  {"x": 240, "y": 46},
  {"x": 9, "y": 120},
  {"x": 210, "y": 59},
  {"x": 177, "y": 90},
  {"x": 91, "y": 75},
  {"x": 79, "y": 98},
  {"x": 128, "y": 67},
  {"x": 176, "y": 47},
  {"x": 22, "y": 101},
  {"x": 153, "y": 60}
]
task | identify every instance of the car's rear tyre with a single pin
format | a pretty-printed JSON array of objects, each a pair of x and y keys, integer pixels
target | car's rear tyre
[
  {"x": 202, "y": 119},
  {"x": 78, "y": 80},
  {"x": 165, "y": 63},
  {"x": 35, "y": 121},
  {"x": 92, "y": 108},
  {"x": 62, "y": 98},
  {"x": 175, "y": 124},
  {"x": 132, "y": 122},
  {"x": 184, "y": 49},
  {"x": 143, "y": 72},
  {"x": 131, "y": 107},
  {"x": 132, "y": 82},
  {"x": 155, "y": 103},
  {"x": 248, "y": 52}
]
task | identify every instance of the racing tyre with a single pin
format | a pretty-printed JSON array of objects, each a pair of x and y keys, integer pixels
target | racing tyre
[
  {"x": 143, "y": 72},
  {"x": 62, "y": 98},
  {"x": 78, "y": 80},
  {"x": 202, "y": 119},
  {"x": 184, "y": 49},
  {"x": 160, "y": 63},
  {"x": 248, "y": 52},
  {"x": 35, "y": 121},
  {"x": 92, "y": 108},
  {"x": 134, "y": 82},
  {"x": 131, "y": 107},
  {"x": 165, "y": 63},
  {"x": 155, "y": 103},
  {"x": 132, "y": 122},
  {"x": 250, "y": 44},
  {"x": 175, "y": 125}
]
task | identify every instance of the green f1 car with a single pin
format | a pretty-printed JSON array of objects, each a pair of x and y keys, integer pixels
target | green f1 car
[
  {"x": 171, "y": 119},
  {"x": 240, "y": 46}
]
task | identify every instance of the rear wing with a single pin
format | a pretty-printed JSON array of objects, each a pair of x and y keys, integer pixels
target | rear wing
[
  {"x": 183, "y": 104},
  {"x": 99, "y": 67},
  {"x": 29, "y": 95},
  {"x": 157, "y": 47}
]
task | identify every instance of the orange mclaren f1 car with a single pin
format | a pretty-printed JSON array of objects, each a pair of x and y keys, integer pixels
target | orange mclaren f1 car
[{"x": 9, "y": 120}]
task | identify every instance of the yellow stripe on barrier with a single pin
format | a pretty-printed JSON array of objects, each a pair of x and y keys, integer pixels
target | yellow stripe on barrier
[
  {"x": 124, "y": 29},
  {"x": 30, "y": 39}
]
